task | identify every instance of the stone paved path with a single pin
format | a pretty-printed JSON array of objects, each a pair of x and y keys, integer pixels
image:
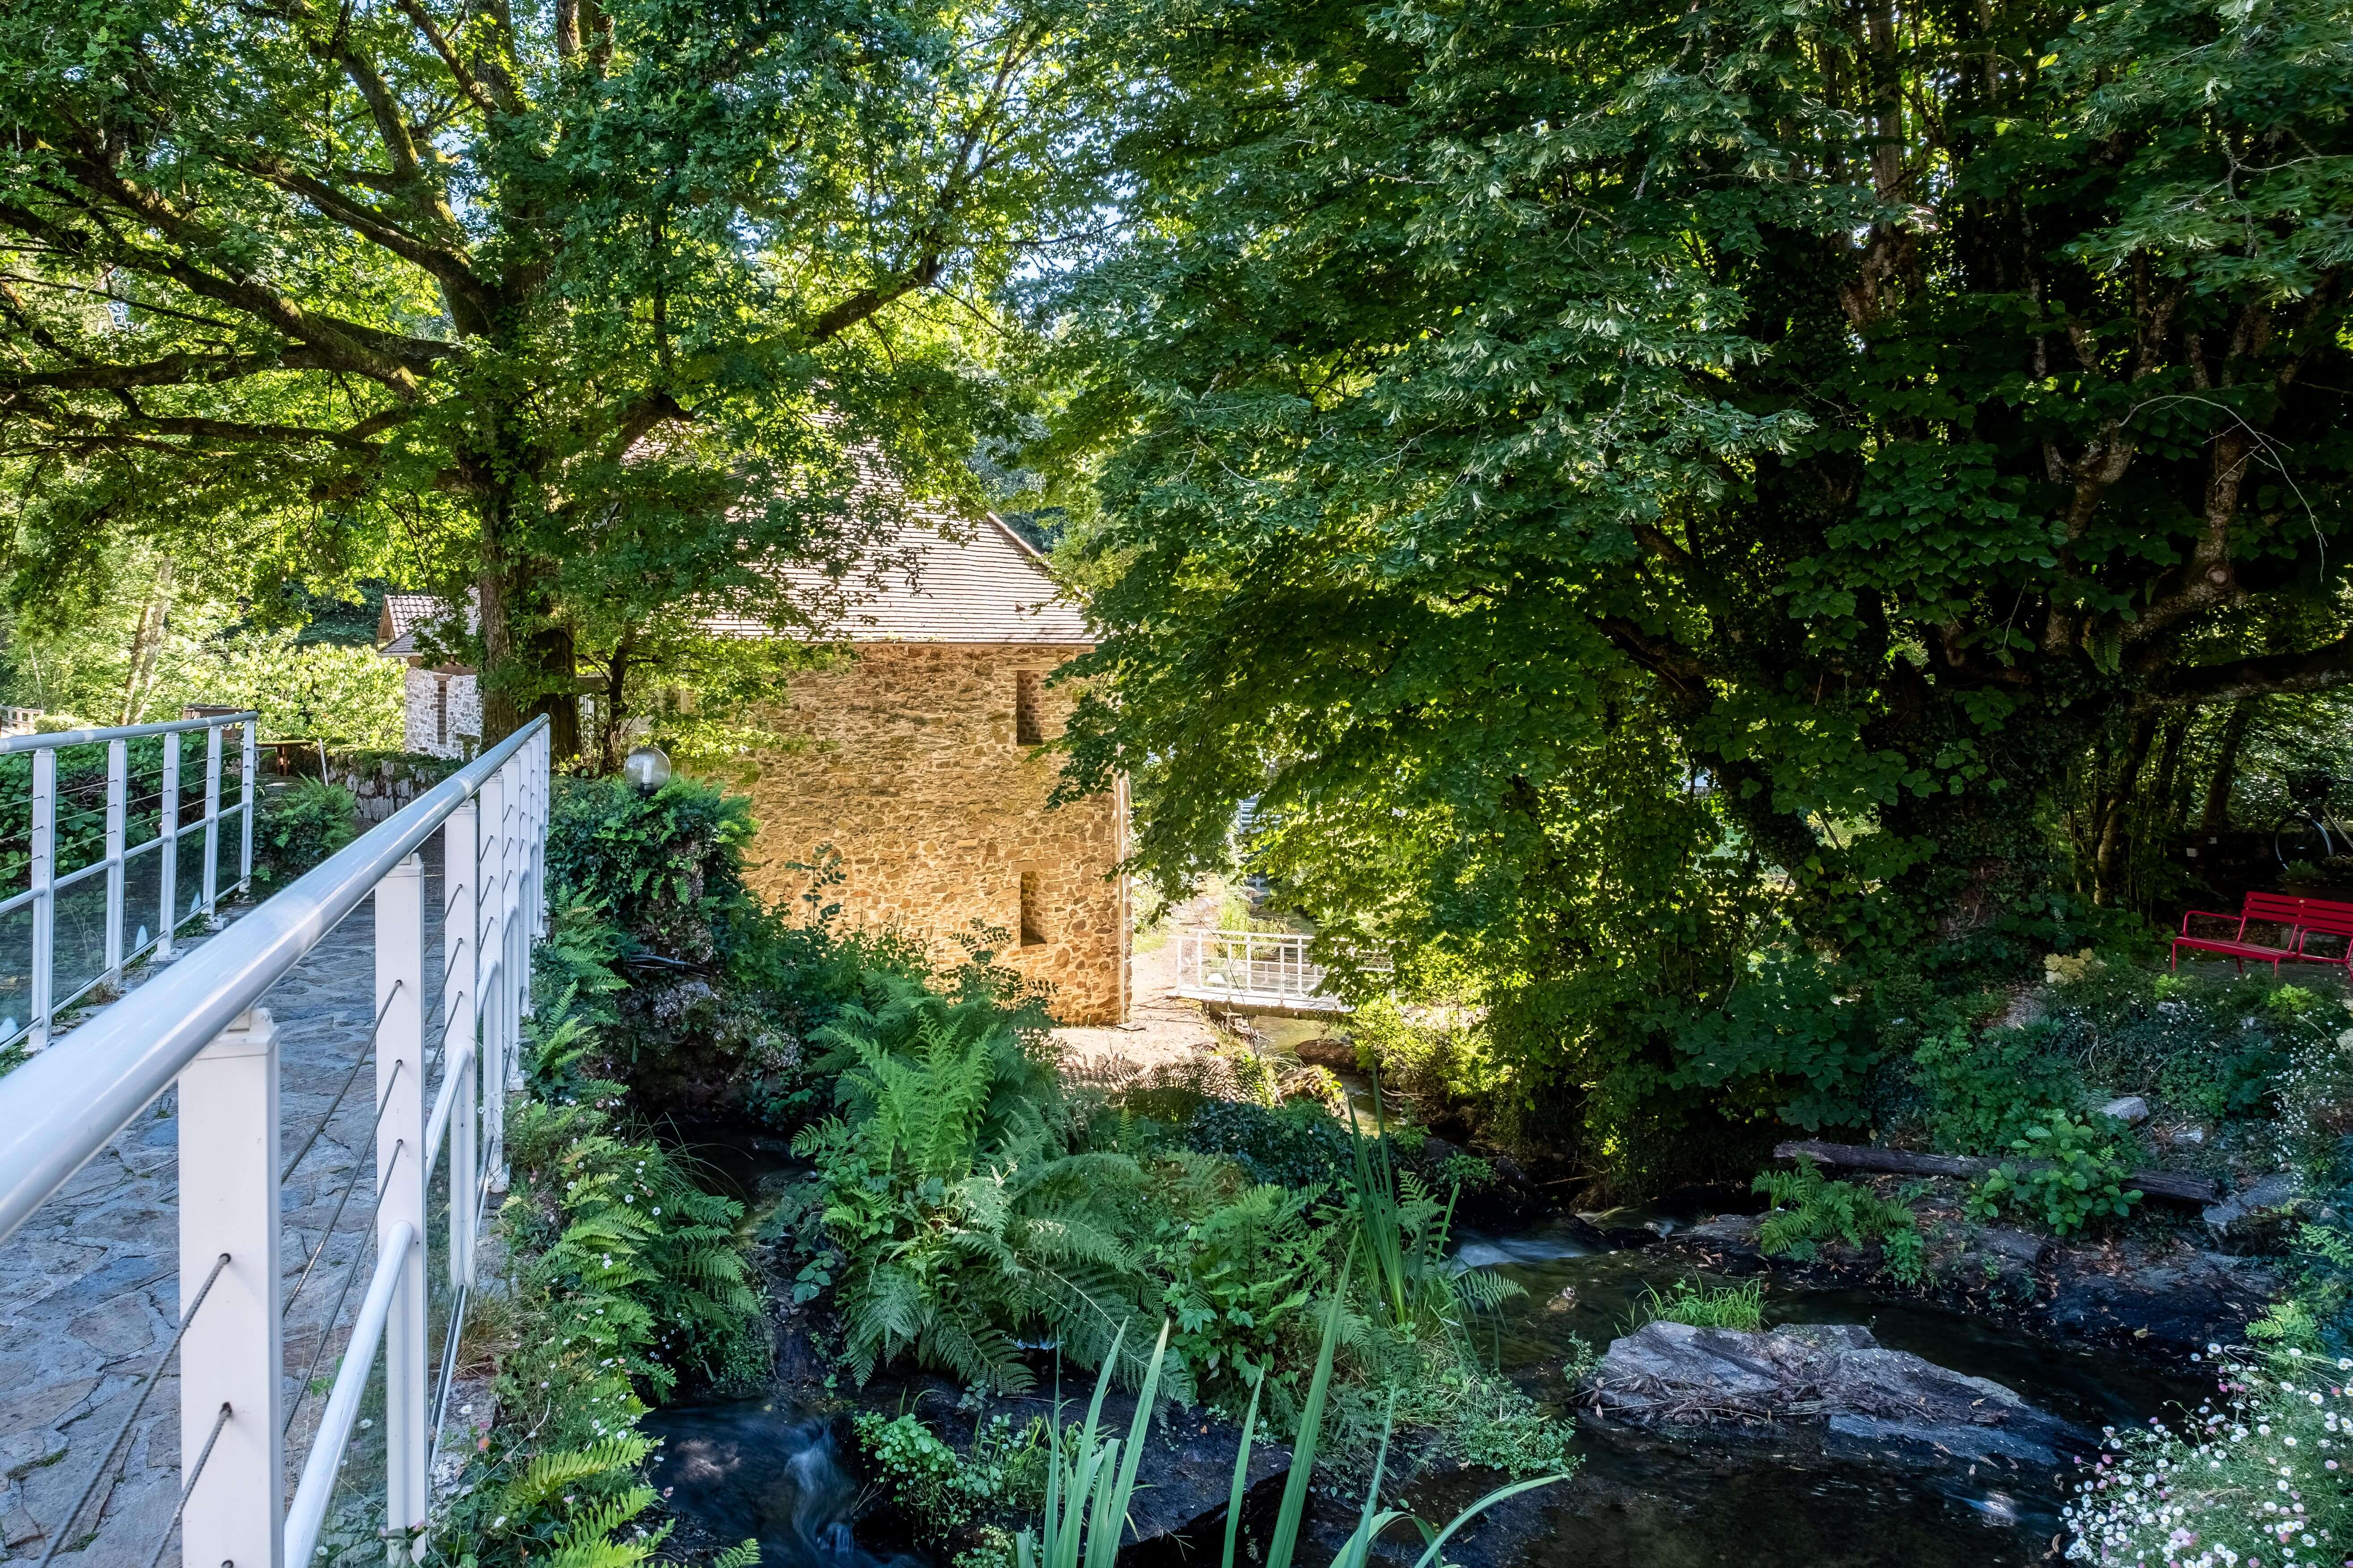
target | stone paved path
[{"x": 88, "y": 1288}]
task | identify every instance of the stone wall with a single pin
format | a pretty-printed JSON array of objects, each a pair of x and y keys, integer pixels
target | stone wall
[
  {"x": 430, "y": 729},
  {"x": 905, "y": 759},
  {"x": 384, "y": 782}
]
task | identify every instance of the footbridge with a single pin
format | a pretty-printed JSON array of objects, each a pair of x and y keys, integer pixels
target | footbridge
[{"x": 233, "y": 1192}]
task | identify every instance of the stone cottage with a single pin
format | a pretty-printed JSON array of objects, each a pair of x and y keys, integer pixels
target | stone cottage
[
  {"x": 441, "y": 713},
  {"x": 919, "y": 760}
]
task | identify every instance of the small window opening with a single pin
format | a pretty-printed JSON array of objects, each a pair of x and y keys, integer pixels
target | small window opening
[
  {"x": 440, "y": 710},
  {"x": 1033, "y": 922},
  {"x": 1026, "y": 729}
]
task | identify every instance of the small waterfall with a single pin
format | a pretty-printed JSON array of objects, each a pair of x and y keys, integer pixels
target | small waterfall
[{"x": 738, "y": 1471}]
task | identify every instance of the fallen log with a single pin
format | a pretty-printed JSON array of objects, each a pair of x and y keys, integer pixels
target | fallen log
[{"x": 2163, "y": 1185}]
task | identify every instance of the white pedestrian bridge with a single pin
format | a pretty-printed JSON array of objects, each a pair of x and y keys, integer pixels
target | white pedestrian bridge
[
  {"x": 226, "y": 1078},
  {"x": 1255, "y": 972}
]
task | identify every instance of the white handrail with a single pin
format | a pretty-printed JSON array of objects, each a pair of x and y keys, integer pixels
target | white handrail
[
  {"x": 160, "y": 908},
  {"x": 306, "y": 1515},
  {"x": 199, "y": 1025},
  {"x": 60, "y": 1108}
]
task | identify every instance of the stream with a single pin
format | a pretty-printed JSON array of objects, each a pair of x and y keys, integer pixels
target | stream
[{"x": 1657, "y": 1499}]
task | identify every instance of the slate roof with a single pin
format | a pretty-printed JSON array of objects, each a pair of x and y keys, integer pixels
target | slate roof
[{"x": 404, "y": 615}]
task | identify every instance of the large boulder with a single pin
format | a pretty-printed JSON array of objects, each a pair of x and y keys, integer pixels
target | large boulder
[{"x": 1866, "y": 1398}]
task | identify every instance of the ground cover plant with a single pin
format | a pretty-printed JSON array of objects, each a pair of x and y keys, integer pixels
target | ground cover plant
[
  {"x": 628, "y": 1282},
  {"x": 1740, "y": 1306},
  {"x": 1809, "y": 1209}
]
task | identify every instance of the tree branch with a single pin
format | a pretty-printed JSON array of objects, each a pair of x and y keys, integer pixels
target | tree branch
[{"x": 2316, "y": 670}]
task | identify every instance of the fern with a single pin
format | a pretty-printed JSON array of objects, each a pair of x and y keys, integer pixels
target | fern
[{"x": 1809, "y": 1209}]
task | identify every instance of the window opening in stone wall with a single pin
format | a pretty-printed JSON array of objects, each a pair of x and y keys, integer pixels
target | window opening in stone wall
[
  {"x": 440, "y": 710},
  {"x": 1025, "y": 729},
  {"x": 1033, "y": 922}
]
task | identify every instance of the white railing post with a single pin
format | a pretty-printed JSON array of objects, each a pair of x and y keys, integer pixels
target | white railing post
[
  {"x": 401, "y": 1160},
  {"x": 461, "y": 918},
  {"x": 252, "y": 802},
  {"x": 167, "y": 829},
  {"x": 517, "y": 948},
  {"x": 117, "y": 767},
  {"x": 44, "y": 851},
  {"x": 232, "y": 1355},
  {"x": 489, "y": 973},
  {"x": 212, "y": 816}
]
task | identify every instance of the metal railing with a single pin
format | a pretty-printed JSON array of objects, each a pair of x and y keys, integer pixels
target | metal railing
[
  {"x": 110, "y": 874},
  {"x": 1252, "y": 969},
  {"x": 198, "y": 1025}
]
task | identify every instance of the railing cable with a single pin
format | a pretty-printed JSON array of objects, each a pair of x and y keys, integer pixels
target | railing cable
[
  {"x": 327, "y": 1330},
  {"x": 64, "y": 1525},
  {"x": 366, "y": 1056},
  {"x": 337, "y": 1218},
  {"x": 190, "y": 1490}
]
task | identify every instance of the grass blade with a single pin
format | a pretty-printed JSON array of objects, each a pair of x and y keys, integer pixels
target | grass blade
[{"x": 1241, "y": 1472}]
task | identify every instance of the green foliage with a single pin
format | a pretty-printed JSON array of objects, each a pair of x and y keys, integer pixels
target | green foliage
[
  {"x": 1985, "y": 1089},
  {"x": 1441, "y": 1054},
  {"x": 301, "y": 826},
  {"x": 1677, "y": 526},
  {"x": 1087, "y": 1496},
  {"x": 1809, "y": 1209},
  {"x": 1782, "y": 1034},
  {"x": 1297, "y": 1146},
  {"x": 2248, "y": 1476},
  {"x": 722, "y": 991},
  {"x": 941, "y": 1491},
  {"x": 2069, "y": 1174},
  {"x": 2208, "y": 1045},
  {"x": 1402, "y": 1228},
  {"x": 626, "y": 1281},
  {"x": 667, "y": 868},
  {"x": 607, "y": 316},
  {"x": 1234, "y": 1264},
  {"x": 1705, "y": 1306},
  {"x": 948, "y": 1186}
]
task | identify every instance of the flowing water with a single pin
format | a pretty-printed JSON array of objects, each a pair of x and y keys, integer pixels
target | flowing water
[{"x": 1639, "y": 1500}]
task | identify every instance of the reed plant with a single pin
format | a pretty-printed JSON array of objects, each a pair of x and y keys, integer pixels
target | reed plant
[{"x": 1090, "y": 1484}]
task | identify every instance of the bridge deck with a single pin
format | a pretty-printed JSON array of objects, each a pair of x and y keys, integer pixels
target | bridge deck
[{"x": 88, "y": 1288}]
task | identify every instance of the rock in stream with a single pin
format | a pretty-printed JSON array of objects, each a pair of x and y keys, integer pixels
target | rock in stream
[{"x": 1871, "y": 1403}]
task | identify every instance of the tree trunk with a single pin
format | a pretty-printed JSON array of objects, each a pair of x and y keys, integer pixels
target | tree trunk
[
  {"x": 2113, "y": 853},
  {"x": 147, "y": 646},
  {"x": 2217, "y": 815},
  {"x": 527, "y": 664}
]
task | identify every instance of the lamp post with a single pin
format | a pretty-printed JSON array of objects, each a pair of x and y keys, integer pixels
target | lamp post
[{"x": 647, "y": 767}]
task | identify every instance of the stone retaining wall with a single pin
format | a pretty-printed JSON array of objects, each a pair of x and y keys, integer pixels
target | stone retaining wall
[{"x": 383, "y": 782}]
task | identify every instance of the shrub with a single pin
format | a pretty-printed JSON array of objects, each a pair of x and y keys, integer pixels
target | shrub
[
  {"x": 1809, "y": 1209},
  {"x": 1438, "y": 1054},
  {"x": 1983, "y": 1091},
  {"x": 625, "y": 1283},
  {"x": 1705, "y": 1307},
  {"x": 299, "y": 826},
  {"x": 1298, "y": 1145},
  {"x": 946, "y": 1186},
  {"x": 723, "y": 991},
  {"x": 667, "y": 868},
  {"x": 2069, "y": 1174},
  {"x": 941, "y": 1492},
  {"x": 1233, "y": 1262}
]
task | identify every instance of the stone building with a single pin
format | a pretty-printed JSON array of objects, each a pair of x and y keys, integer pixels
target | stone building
[
  {"x": 919, "y": 759},
  {"x": 441, "y": 713}
]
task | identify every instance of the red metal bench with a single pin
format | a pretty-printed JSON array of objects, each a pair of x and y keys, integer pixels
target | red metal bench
[{"x": 2298, "y": 921}]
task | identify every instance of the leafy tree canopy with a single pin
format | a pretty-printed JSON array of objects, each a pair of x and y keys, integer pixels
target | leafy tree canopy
[
  {"x": 597, "y": 309},
  {"x": 1586, "y": 463}
]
